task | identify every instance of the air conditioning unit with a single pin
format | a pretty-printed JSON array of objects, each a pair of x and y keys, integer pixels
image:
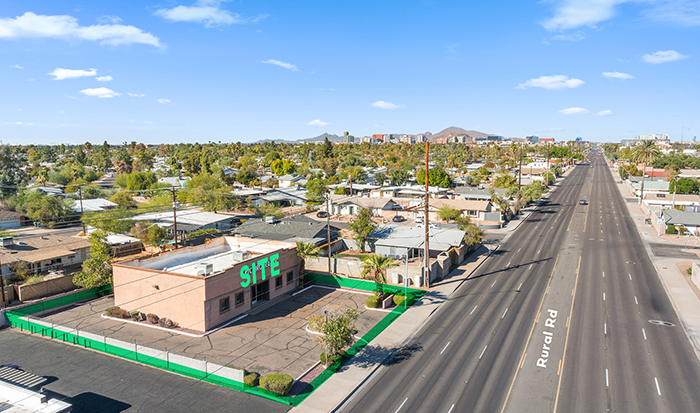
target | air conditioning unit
[
  {"x": 204, "y": 267},
  {"x": 271, "y": 220},
  {"x": 6, "y": 241},
  {"x": 240, "y": 255}
]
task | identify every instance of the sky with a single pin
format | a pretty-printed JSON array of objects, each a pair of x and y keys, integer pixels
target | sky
[{"x": 210, "y": 71}]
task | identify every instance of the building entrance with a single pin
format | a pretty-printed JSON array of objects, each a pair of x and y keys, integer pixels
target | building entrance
[{"x": 261, "y": 292}]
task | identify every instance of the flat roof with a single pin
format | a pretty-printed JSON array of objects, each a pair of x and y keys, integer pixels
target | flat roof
[{"x": 220, "y": 253}]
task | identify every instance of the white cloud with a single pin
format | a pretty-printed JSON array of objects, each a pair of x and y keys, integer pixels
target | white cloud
[
  {"x": 281, "y": 64},
  {"x": 16, "y": 67},
  {"x": 163, "y": 101},
  {"x": 617, "y": 75},
  {"x": 685, "y": 12},
  {"x": 135, "y": 95},
  {"x": 318, "y": 122},
  {"x": 66, "y": 27},
  {"x": 573, "y": 111},
  {"x": 552, "y": 82},
  {"x": 100, "y": 92},
  {"x": 386, "y": 105},
  {"x": 19, "y": 123},
  {"x": 570, "y": 14},
  {"x": 104, "y": 78},
  {"x": 576, "y": 37},
  {"x": 208, "y": 12},
  {"x": 605, "y": 113},
  {"x": 110, "y": 19},
  {"x": 663, "y": 57},
  {"x": 61, "y": 74}
]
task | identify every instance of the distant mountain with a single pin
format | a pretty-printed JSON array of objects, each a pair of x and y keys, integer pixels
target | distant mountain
[
  {"x": 319, "y": 138},
  {"x": 455, "y": 131}
]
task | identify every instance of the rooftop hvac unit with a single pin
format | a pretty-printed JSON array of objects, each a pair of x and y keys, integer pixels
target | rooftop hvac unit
[
  {"x": 6, "y": 241},
  {"x": 271, "y": 220},
  {"x": 240, "y": 255},
  {"x": 204, "y": 268}
]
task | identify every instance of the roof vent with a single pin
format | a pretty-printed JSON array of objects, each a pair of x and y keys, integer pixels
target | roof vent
[
  {"x": 271, "y": 219},
  {"x": 204, "y": 268}
]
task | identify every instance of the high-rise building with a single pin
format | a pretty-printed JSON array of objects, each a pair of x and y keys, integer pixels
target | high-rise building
[{"x": 347, "y": 138}]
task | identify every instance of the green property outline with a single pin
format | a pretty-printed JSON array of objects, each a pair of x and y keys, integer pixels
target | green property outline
[{"x": 13, "y": 318}]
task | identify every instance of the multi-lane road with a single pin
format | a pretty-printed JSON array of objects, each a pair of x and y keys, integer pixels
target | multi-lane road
[{"x": 557, "y": 319}]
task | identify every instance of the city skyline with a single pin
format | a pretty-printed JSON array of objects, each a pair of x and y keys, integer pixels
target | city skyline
[{"x": 186, "y": 71}]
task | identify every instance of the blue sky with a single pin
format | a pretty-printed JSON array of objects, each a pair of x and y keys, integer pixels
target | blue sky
[{"x": 199, "y": 71}]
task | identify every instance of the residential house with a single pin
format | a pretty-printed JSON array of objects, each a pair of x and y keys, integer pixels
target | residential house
[
  {"x": 175, "y": 181},
  {"x": 396, "y": 241},
  {"x": 478, "y": 193},
  {"x": 689, "y": 220},
  {"x": 285, "y": 181},
  {"x": 283, "y": 197},
  {"x": 12, "y": 219},
  {"x": 476, "y": 210},
  {"x": 290, "y": 229},
  {"x": 48, "y": 252},
  {"x": 351, "y": 205},
  {"x": 690, "y": 202},
  {"x": 92, "y": 205},
  {"x": 189, "y": 220}
]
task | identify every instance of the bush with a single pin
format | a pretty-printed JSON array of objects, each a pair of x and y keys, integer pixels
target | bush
[
  {"x": 671, "y": 229},
  {"x": 166, "y": 323},
  {"x": 398, "y": 299},
  {"x": 251, "y": 379},
  {"x": 34, "y": 279},
  {"x": 152, "y": 318},
  {"x": 372, "y": 301},
  {"x": 323, "y": 358},
  {"x": 330, "y": 360},
  {"x": 277, "y": 383},
  {"x": 117, "y": 312},
  {"x": 137, "y": 315}
]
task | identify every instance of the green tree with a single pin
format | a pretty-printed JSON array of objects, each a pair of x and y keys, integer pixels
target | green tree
[
  {"x": 361, "y": 226},
  {"x": 504, "y": 181},
  {"x": 306, "y": 250},
  {"x": 338, "y": 332},
  {"x": 97, "y": 270},
  {"x": 49, "y": 210},
  {"x": 246, "y": 175},
  {"x": 683, "y": 186},
  {"x": 380, "y": 178},
  {"x": 116, "y": 221},
  {"x": 398, "y": 177},
  {"x": 268, "y": 210},
  {"x": 436, "y": 177},
  {"x": 149, "y": 233},
  {"x": 11, "y": 176},
  {"x": 448, "y": 213},
  {"x": 645, "y": 153},
  {"x": 139, "y": 181},
  {"x": 374, "y": 268},
  {"x": 316, "y": 191},
  {"x": 473, "y": 233},
  {"x": 282, "y": 167},
  {"x": 123, "y": 199}
]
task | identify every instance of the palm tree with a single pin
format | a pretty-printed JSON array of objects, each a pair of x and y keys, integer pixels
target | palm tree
[
  {"x": 306, "y": 250},
  {"x": 646, "y": 153},
  {"x": 374, "y": 268}
]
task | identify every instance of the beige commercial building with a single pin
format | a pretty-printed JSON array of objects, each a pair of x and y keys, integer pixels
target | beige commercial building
[{"x": 204, "y": 286}]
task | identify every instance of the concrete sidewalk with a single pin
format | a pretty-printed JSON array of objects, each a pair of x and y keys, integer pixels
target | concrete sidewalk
[
  {"x": 683, "y": 297},
  {"x": 341, "y": 386}
]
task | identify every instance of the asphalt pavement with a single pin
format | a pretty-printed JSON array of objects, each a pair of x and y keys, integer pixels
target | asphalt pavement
[
  {"x": 466, "y": 355},
  {"x": 95, "y": 382},
  {"x": 626, "y": 350}
]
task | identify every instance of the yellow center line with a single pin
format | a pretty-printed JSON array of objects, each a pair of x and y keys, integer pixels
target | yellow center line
[
  {"x": 532, "y": 330},
  {"x": 566, "y": 342}
]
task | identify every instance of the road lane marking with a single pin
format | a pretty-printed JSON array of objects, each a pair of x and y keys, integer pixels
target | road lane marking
[
  {"x": 494, "y": 282},
  {"x": 504, "y": 313},
  {"x": 559, "y": 369},
  {"x": 630, "y": 275},
  {"x": 603, "y": 296},
  {"x": 566, "y": 341},
  {"x": 538, "y": 251},
  {"x": 658, "y": 390},
  {"x": 530, "y": 267},
  {"x": 450, "y": 411},
  {"x": 404, "y": 402},
  {"x": 603, "y": 274},
  {"x": 605, "y": 328},
  {"x": 443, "y": 350},
  {"x": 635, "y": 300},
  {"x": 521, "y": 284},
  {"x": 507, "y": 266},
  {"x": 607, "y": 381},
  {"x": 645, "y": 333},
  {"x": 482, "y": 352},
  {"x": 522, "y": 362},
  {"x": 473, "y": 309},
  {"x": 519, "y": 249}
]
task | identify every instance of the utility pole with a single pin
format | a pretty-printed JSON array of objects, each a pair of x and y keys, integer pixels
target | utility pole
[
  {"x": 520, "y": 168},
  {"x": 350, "y": 184},
  {"x": 174, "y": 216},
  {"x": 546, "y": 172},
  {"x": 2, "y": 289},
  {"x": 427, "y": 234},
  {"x": 80, "y": 191},
  {"x": 328, "y": 229}
]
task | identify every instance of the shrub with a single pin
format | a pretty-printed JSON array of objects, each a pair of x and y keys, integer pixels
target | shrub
[
  {"x": 117, "y": 312},
  {"x": 372, "y": 301},
  {"x": 671, "y": 229},
  {"x": 152, "y": 318},
  {"x": 251, "y": 379},
  {"x": 323, "y": 358},
  {"x": 166, "y": 322},
  {"x": 137, "y": 315},
  {"x": 34, "y": 279},
  {"x": 277, "y": 383},
  {"x": 398, "y": 299}
]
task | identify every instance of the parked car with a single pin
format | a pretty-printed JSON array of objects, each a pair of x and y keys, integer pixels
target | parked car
[
  {"x": 322, "y": 214},
  {"x": 419, "y": 219},
  {"x": 398, "y": 218},
  {"x": 583, "y": 202}
]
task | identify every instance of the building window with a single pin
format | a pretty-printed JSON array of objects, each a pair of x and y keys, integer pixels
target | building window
[
  {"x": 290, "y": 277},
  {"x": 224, "y": 305},
  {"x": 240, "y": 298},
  {"x": 278, "y": 282}
]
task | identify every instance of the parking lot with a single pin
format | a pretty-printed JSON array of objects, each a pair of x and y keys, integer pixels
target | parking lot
[{"x": 274, "y": 340}]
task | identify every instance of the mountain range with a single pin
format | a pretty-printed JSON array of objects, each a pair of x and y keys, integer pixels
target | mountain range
[{"x": 447, "y": 132}]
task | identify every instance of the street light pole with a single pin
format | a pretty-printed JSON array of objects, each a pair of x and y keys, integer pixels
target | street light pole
[
  {"x": 328, "y": 229},
  {"x": 427, "y": 236}
]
